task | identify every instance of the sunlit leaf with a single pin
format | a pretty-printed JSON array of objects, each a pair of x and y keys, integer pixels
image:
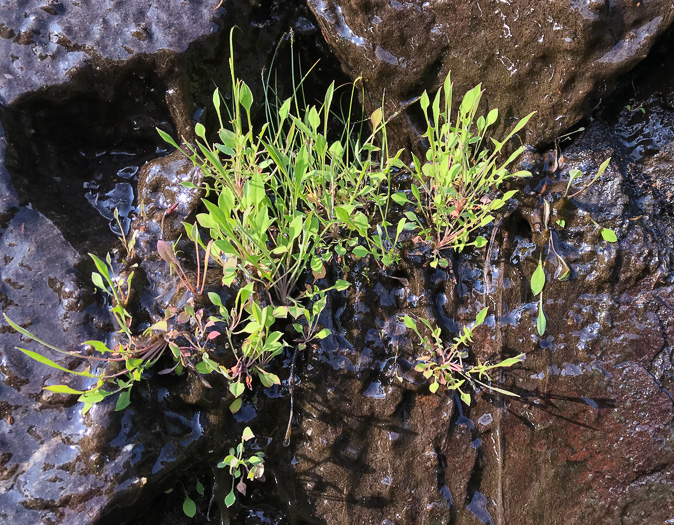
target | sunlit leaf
[
  {"x": 45, "y": 361},
  {"x": 230, "y": 498},
  {"x": 237, "y": 389},
  {"x": 63, "y": 389},
  {"x": 360, "y": 251},
  {"x": 465, "y": 397},
  {"x": 342, "y": 285},
  {"x": 481, "y": 316},
  {"x": 609, "y": 235},
  {"x": 123, "y": 400},
  {"x": 538, "y": 279},
  {"x": 541, "y": 322},
  {"x": 409, "y": 322}
]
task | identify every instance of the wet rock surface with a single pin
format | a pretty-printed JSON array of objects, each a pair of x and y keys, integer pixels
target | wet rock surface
[
  {"x": 8, "y": 198},
  {"x": 590, "y": 437},
  {"x": 58, "y": 466},
  {"x": 589, "y": 440},
  {"x": 43, "y": 42},
  {"x": 559, "y": 59},
  {"x": 80, "y": 99},
  {"x": 165, "y": 204}
]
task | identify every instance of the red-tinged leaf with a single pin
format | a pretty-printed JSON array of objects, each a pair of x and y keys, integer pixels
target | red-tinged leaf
[
  {"x": 212, "y": 335},
  {"x": 241, "y": 487},
  {"x": 165, "y": 251}
]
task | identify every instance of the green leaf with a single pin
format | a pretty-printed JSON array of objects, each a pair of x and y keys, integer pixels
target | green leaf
[
  {"x": 167, "y": 138},
  {"x": 295, "y": 227},
  {"x": 492, "y": 116},
  {"x": 202, "y": 368},
  {"x": 424, "y": 101},
  {"x": 409, "y": 322},
  {"x": 316, "y": 265},
  {"x": 216, "y": 100},
  {"x": 247, "y": 434},
  {"x": 342, "y": 285},
  {"x": 98, "y": 346},
  {"x": 93, "y": 396},
  {"x": 63, "y": 389},
  {"x": 609, "y": 235},
  {"x": 123, "y": 400},
  {"x": 538, "y": 278},
  {"x": 481, "y": 316},
  {"x": 230, "y": 498},
  {"x": 284, "y": 109},
  {"x": 246, "y": 96},
  {"x": 510, "y": 361},
  {"x": 200, "y": 130},
  {"x": 323, "y": 333},
  {"x": 480, "y": 242},
  {"x": 237, "y": 389},
  {"x": 465, "y": 397},
  {"x": 98, "y": 281},
  {"x": 235, "y": 406},
  {"x": 200, "y": 488},
  {"x": 314, "y": 118},
  {"x": 400, "y": 198},
  {"x": 215, "y": 298},
  {"x": 189, "y": 507},
  {"x": 415, "y": 192},
  {"x": 433, "y": 387},
  {"x": 42, "y": 359},
  {"x": 360, "y": 251},
  {"x": 541, "y": 322},
  {"x": 268, "y": 379}
]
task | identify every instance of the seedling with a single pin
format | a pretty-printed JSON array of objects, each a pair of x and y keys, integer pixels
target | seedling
[
  {"x": 452, "y": 190},
  {"x": 240, "y": 468},
  {"x": 445, "y": 365}
]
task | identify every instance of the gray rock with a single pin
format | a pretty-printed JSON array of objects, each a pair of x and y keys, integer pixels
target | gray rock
[
  {"x": 8, "y": 197},
  {"x": 42, "y": 42}
]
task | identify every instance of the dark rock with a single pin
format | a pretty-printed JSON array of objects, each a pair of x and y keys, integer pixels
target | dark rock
[
  {"x": 8, "y": 199},
  {"x": 588, "y": 439},
  {"x": 43, "y": 43},
  {"x": 559, "y": 60},
  {"x": 163, "y": 202},
  {"x": 58, "y": 466}
]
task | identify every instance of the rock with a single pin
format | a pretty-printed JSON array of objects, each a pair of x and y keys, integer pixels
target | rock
[
  {"x": 8, "y": 199},
  {"x": 42, "y": 43},
  {"x": 558, "y": 60},
  {"x": 57, "y": 466},
  {"x": 589, "y": 438},
  {"x": 164, "y": 203}
]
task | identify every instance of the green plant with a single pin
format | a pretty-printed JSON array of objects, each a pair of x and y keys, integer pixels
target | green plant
[
  {"x": 537, "y": 285},
  {"x": 562, "y": 271},
  {"x": 445, "y": 365},
  {"x": 133, "y": 356},
  {"x": 166, "y": 251},
  {"x": 128, "y": 244},
  {"x": 252, "y": 467},
  {"x": 282, "y": 201},
  {"x": 452, "y": 190}
]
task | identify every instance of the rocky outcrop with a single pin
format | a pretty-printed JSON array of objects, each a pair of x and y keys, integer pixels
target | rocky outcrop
[
  {"x": 589, "y": 438},
  {"x": 559, "y": 59}
]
